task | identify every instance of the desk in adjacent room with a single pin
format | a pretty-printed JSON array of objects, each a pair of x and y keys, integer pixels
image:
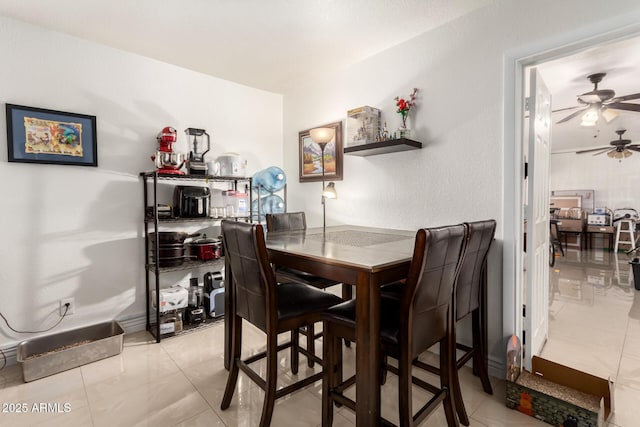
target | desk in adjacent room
[{"x": 605, "y": 230}]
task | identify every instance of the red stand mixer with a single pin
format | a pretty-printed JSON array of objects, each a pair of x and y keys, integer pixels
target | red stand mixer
[{"x": 166, "y": 160}]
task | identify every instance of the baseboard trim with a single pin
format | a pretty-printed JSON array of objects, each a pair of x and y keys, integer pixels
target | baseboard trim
[
  {"x": 134, "y": 323},
  {"x": 497, "y": 368}
]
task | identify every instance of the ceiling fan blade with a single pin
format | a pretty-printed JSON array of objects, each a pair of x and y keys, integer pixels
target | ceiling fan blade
[
  {"x": 633, "y": 148},
  {"x": 626, "y": 97},
  {"x": 566, "y": 109},
  {"x": 591, "y": 150},
  {"x": 571, "y": 116},
  {"x": 628, "y": 106}
]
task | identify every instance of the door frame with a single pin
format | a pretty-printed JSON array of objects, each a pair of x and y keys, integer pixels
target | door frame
[{"x": 514, "y": 67}]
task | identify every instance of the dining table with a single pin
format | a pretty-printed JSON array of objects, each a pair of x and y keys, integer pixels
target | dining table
[{"x": 364, "y": 257}]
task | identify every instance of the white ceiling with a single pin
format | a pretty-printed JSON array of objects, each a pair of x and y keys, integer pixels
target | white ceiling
[
  {"x": 566, "y": 78},
  {"x": 266, "y": 44},
  {"x": 270, "y": 44}
]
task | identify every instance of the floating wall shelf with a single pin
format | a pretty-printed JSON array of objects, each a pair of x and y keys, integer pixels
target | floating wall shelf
[{"x": 383, "y": 147}]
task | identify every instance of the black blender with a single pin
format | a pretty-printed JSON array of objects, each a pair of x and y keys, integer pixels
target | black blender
[
  {"x": 195, "y": 311},
  {"x": 199, "y": 147}
]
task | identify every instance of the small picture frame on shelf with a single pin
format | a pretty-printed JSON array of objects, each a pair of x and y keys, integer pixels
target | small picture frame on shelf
[
  {"x": 311, "y": 156},
  {"x": 37, "y": 135}
]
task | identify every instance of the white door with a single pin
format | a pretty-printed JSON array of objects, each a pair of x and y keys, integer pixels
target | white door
[{"x": 536, "y": 322}]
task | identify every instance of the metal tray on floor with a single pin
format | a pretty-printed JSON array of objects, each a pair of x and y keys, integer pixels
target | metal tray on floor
[{"x": 56, "y": 353}]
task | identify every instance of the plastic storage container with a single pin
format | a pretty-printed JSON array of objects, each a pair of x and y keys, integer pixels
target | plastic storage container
[
  {"x": 241, "y": 204},
  {"x": 229, "y": 202}
]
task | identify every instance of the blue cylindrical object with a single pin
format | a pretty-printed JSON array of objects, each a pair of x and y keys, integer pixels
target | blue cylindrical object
[
  {"x": 268, "y": 204},
  {"x": 269, "y": 180}
]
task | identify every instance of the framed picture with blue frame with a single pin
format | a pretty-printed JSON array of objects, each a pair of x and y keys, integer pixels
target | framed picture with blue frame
[{"x": 37, "y": 135}]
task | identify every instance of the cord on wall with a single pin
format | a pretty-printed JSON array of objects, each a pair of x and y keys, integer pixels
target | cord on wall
[{"x": 4, "y": 358}]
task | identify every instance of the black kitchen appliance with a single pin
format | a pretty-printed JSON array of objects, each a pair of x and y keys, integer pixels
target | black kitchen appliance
[
  {"x": 214, "y": 294},
  {"x": 191, "y": 201},
  {"x": 195, "y": 311},
  {"x": 164, "y": 211},
  {"x": 199, "y": 147}
]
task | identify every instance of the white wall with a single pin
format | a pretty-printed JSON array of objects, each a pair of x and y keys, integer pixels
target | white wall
[
  {"x": 76, "y": 232},
  {"x": 458, "y": 175},
  {"x": 615, "y": 183}
]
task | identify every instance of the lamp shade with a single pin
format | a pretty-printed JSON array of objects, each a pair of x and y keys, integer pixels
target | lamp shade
[
  {"x": 615, "y": 154},
  {"x": 322, "y": 135},
  {"x": 608, "y": 115},
  {"x": 330, "y": 191},
  {"x": 590, "y": 117}
]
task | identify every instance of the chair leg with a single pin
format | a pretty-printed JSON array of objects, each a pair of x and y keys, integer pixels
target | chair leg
[
  {"x": 405, "y": 415},
  {"x": 295, "y": 351},
  {"x": 383, "y": 369},
  {"x": 450, "y": 367},
  {"x": 480, "y": 355},
  {"x": 311, "y": 346},
  {"x": 329, "y": 377},
  {"x": 272, "y": 376},
  {"x": 236, "y": 350},
  {"x": 347, "y": 292},
  {"x": 448, "y": 376}
]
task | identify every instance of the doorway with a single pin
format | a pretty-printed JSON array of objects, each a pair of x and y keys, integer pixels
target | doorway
[{"x": 513, "y": 265}]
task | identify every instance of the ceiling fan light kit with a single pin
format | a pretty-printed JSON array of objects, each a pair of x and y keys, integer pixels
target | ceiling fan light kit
[
  {"x": 608, "y": 115},
  {"x": 618, "y": 148},
  {"x": 590, "y": 118},
  {"x": 619, "y": 154},
  {"x": 600, "y": 102}
]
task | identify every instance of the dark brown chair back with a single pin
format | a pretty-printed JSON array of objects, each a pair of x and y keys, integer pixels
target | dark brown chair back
[
  {"x": 429, "y": 287},
  {"x": 470, "y": 278},
  {"x": 253, "y": 279},
  {"x": 290, "y": 221}
]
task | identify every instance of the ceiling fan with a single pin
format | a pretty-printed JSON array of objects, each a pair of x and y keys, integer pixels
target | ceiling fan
[
  {"x": 618, "y": 148},
  {"x": 600, "y": 102}
]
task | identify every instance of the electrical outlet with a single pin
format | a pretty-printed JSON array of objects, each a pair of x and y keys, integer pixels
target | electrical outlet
[{"x": 63, "y": 308}]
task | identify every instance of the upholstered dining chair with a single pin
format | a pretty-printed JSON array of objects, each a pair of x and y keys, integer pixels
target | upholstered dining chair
[
  {"x": 470, "y": 299},
  {"x": 271, "y": 307},
  {"x": 421, "y": 317},
  {"x": 296, "y": 221}
]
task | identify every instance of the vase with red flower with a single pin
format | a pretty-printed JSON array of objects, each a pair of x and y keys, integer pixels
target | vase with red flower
[{"x": 403, "y": 108}]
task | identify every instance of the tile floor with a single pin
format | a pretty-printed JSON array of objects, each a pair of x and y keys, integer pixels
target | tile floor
[
  {"x": 180, "y": 382},
  {"x": 594, "y": 323},
  {"x": 594, "y": 326}
]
